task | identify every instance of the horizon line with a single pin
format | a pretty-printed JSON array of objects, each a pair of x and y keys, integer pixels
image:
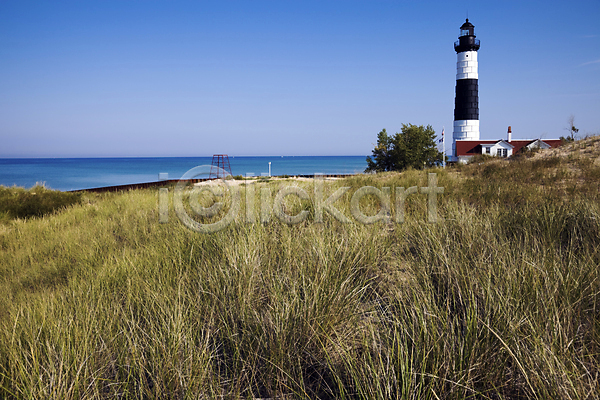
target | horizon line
[{"x": 210, "y": 156}]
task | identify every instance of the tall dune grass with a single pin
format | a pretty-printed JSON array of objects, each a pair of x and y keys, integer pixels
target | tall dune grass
[{"x": 499, "y": 300}]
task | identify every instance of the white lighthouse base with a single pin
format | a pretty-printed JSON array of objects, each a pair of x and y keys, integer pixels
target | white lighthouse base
[{"x": 466, "y": 130}]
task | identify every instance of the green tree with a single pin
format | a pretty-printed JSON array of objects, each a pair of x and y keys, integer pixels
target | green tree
[
  {"x": 414, "y": 146},
  {"x": 382, "y": 153}
]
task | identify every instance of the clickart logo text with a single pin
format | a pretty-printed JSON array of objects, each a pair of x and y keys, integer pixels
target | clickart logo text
[{"x": 189, "y": 202}]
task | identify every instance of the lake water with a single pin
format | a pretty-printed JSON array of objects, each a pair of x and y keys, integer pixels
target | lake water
[{"x": 85, "y": 173}]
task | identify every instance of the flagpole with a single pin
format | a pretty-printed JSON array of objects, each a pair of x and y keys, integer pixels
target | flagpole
[{"x": 444, "y": 147}]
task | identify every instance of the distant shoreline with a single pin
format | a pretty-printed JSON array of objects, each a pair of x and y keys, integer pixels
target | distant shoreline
[{"x": 167, "y": 182}]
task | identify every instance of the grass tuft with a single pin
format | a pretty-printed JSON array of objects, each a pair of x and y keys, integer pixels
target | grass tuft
[{"x": 37, "y": 201}]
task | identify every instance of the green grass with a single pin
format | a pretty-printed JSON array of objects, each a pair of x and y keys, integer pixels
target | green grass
[
  {"x": 499, "y": 301},
  {"x": 36, "y": 202}
]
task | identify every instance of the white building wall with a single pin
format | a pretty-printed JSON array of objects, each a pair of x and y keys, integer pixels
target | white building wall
[
  {"x": 538, "y": 144},
  {"x": 501, "y": 146}
]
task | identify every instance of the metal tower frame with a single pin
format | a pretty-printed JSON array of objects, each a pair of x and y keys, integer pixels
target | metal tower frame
[{"x": 220, "y": 163}]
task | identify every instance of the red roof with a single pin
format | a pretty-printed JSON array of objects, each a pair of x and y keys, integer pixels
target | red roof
[{"x": 472, "y": 147}]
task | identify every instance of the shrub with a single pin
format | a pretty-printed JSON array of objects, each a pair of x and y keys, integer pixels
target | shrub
[
  {"x": 38, "y": 201},
  {"x": 480, "y": 158},
  {"x": 525, "y": 152}
]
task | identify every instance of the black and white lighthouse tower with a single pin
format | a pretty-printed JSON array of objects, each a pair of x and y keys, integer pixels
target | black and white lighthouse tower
[{"x": 466, "y": 103}]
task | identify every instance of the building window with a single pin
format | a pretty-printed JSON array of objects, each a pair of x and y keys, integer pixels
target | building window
[
  {"x": 504, "y": 152},
  {"x": 499, "y": 152},
  {"x": 488, "y": 150}
]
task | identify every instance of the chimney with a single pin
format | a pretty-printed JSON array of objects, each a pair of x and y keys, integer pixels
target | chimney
[{"x": 509, "y": 134}]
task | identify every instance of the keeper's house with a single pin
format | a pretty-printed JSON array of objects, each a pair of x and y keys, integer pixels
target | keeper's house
[{"x": 466, "y": 149}]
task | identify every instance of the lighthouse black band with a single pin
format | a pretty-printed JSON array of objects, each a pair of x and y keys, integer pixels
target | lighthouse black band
[
  {"x": 466, "y": 43},
  {"x": 466, "y": 103}
]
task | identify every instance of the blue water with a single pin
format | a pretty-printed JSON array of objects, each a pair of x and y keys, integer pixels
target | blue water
[{"x": 85, "y": 173}]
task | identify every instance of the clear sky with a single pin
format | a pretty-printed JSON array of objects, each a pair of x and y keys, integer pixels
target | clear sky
[{"x": 285, "y": 77}]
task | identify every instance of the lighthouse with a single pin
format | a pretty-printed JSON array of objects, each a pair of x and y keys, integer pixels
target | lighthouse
[{"x": 466, "y": 101}]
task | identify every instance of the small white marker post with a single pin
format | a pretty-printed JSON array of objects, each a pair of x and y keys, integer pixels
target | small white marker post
[{"x": 269, "y": 168}]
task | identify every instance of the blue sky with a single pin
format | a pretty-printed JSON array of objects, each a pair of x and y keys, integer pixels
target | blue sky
[{"x": 286, "y": 77}]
